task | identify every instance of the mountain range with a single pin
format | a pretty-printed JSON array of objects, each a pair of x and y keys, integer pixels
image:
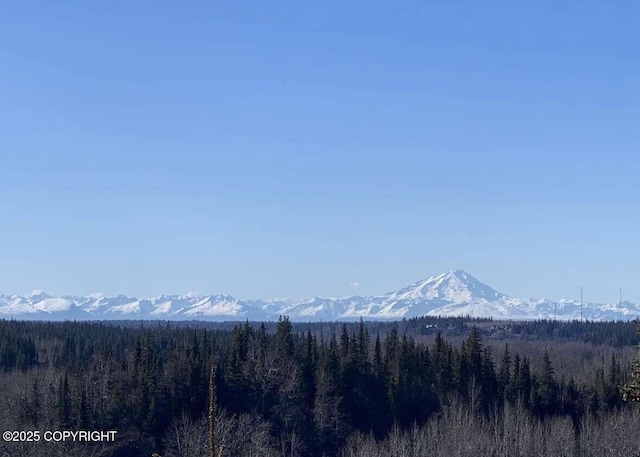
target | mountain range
[{"x": 455, "y": 293}]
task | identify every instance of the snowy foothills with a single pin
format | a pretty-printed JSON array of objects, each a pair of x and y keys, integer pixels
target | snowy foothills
[{"x": 455, "y": 293}]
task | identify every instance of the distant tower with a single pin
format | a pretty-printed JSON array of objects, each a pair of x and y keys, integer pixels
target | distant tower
[
  {"x": 580, "y": 303},
  {"x": 620, "y": 304}
]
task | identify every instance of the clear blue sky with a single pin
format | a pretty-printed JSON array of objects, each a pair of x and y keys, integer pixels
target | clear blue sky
[{"x": 292, "y": 148}]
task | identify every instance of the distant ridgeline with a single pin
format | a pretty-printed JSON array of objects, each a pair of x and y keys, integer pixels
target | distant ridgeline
[{"x": 455, "y": 293}]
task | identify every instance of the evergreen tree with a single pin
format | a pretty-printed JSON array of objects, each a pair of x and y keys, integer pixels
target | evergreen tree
[
  {"x": 344, "y": 343},
  {"x": 489, "y": 381},
  {"x": 547, "y": 390},
  {"x": 525, "y": 384},
  {"x": 284, "y": 338},
  {"x": 504, "y": 377},
  {"x": 378, "y": 367},
  {"x": 64, "y": 402}
]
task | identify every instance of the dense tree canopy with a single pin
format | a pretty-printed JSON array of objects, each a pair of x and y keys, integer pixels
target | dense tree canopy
[{"x": 303, "y": 392}]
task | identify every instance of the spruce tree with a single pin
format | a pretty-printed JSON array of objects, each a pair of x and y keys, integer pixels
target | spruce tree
[{"x": 504, "y": 377}]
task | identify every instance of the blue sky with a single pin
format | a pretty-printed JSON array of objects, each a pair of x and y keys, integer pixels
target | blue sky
[{"x": 292, "y": 148}]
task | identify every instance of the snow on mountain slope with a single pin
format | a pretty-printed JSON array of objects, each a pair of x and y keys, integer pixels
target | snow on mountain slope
[
  {"x": 15, "y": 305},
  {"x": 455, "y": 293},
  {"x": 97, "y": 303},
  {"x": 53, "y": 305},
  {"x": 437, "y": 294},
  {"x": 217, "y": 306},
  {"x": 454, "y": 286}
]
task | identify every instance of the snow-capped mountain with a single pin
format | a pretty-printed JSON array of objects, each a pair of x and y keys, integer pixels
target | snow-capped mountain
[{"x": 455, "y": 293}]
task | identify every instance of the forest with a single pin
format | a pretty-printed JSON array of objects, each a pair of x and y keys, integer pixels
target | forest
[{"x": 426, "y": 386}]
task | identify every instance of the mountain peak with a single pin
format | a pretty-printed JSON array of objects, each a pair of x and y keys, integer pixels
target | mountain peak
[
  {"x": 37, "y": 293},
  {"x": 460, "y": 274},
  {"x": 454, "y": 286}
]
